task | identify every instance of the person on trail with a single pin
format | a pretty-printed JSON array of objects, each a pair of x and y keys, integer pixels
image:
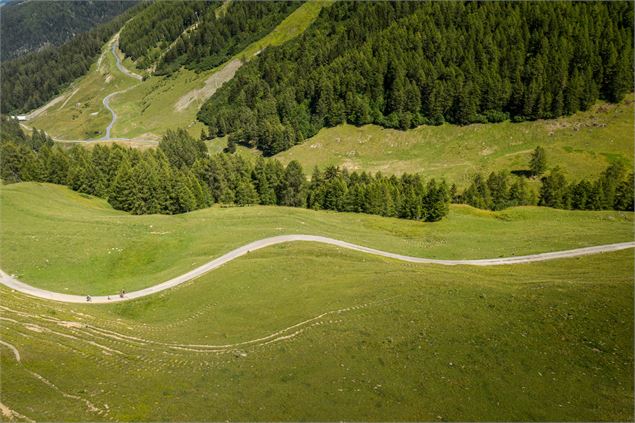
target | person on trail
[
  {"x": 88, "y": 298},
  {"x": 109, "y": 298},
  {"x": 122, "y": 293}
]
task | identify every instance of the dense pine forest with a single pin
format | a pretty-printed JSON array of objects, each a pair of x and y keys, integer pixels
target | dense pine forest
[
  {"x": 403, "y": 64},
  {"x": 158, "y": 26},
  {"x": 29, "y": 26},
  {"x": 31, "y": 80},
  {"x": 197, "y": 34},
  {"x": 217, "y": 38}
]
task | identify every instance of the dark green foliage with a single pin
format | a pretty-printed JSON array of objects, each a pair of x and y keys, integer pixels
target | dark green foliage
[
  {"x": 35, "y": 78},
  {"x": 403, "y": 64},
  {"x": 554, "y": 191},
  {"x": 216, "y": 39},
  {"x": 407, "y": 197},
  {"x": 181, "y": 149},
  {"x": 499, "y": 191},
  {"x": 291, "y": 191},
  {"x": 613, "y": 190},
  {"x": 18, "y": 161},
  {"x": 624, "y": 195},
  {"x": 538, "y": 163},
  {"x": 29, "y": 26},
  {"x": 158, "y": 26}
]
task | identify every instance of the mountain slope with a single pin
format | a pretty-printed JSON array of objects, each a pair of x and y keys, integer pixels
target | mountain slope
[
  {"x": 29, "y": 26},
  {"x": 402, "y": 64},
  {"x": 160, "y": 102},
  {"x": 32, "y": 80}
]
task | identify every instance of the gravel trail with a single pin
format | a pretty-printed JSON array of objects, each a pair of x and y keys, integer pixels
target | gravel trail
[{"x": 17, "y": 285}]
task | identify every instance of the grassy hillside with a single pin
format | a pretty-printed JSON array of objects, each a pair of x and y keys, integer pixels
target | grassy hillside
[
  {"x": 58, "y": 239},
  {"x": 582, "y": 144},
  {"x": 150, "y": 108},
  {"x": 79, "y": 113},
  {"x": 273, "y": 336}
]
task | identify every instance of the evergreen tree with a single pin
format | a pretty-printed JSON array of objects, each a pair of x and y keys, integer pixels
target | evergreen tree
[
  {"x": 246, "y": 193},
  {"x": 122, "y": 192},
  {"x": 538, "y": 163},
  {"x": 554, "y": 190},
  {"x": 293, "y": 191},
  {"x": 624, "y": 195}
]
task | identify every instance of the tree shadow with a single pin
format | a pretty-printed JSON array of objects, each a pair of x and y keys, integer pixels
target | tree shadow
[{"x": 522, "y": 172}]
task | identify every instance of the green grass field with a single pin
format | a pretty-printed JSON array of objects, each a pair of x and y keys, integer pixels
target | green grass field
[
  {"x": 583, "y": 145},
  {"x": 311, "y": 332}
]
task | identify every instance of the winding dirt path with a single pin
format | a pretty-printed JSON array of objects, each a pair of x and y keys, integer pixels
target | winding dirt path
[{"x": 17, "y": 285}]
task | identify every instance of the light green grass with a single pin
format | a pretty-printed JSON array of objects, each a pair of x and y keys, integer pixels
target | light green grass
[
  {"x": 583, "y": 145},
  {"x": 57, "y": 239},
  {"x": 549, "y": 341},
  {"x": 84, "y": 116}
]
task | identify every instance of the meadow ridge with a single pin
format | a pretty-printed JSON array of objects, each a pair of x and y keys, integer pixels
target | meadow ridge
[{"x": 16, "y": 285}]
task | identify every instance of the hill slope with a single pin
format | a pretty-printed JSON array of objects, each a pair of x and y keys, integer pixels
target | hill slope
[
  {"x": 402, "y": 64},
  {"x": 158, "y": 103},
  {"x": 583, "y": 145}
]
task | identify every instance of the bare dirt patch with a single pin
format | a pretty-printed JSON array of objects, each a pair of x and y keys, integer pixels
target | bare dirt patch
[{"x": 213, "y": 83}]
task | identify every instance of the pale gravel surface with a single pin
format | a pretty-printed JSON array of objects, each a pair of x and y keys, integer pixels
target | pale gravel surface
[{"x": 17, "y": 285}]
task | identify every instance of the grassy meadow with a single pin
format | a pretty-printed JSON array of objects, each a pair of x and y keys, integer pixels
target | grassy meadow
[
  {"x": 57, "y": 239},
  {"x": 273, "y": 336},
  {"x": 582, "y": 144}
]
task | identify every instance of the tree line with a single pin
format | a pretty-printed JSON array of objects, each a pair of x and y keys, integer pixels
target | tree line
[
  {"x": 31, "y": 80},
  {"x": 403, "y": 64},
  {"x": 180, "y": 176}
]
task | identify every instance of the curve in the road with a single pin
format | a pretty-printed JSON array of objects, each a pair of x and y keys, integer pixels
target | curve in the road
[{"x": 17, "y": 285}]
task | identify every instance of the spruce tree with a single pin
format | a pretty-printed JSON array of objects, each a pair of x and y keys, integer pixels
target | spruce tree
[
  {"x": 538, "y": 163},
  {"x": 122, "y": 191}
]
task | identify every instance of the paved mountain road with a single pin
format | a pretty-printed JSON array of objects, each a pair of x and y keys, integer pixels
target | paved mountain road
[
  {"x": 106, "y": 100},
  {"x": 17, "y": 285}
]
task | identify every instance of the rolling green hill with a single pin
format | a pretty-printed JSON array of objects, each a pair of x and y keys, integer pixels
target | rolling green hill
[
  {"x": 304, "y": 331},
  {"x": 311, "y": 332}
]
